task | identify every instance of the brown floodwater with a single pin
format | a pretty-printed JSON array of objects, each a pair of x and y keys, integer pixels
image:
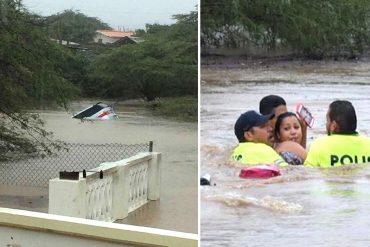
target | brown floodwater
[
  {"x": 304, "y": 206},
  {"x": 177, "y": 208}
]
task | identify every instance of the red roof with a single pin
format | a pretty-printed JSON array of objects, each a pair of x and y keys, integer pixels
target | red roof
[{"x": 113, "y": 33}]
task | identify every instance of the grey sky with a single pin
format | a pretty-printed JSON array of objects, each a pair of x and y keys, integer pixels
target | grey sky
[{"x": 130, "y": 15}]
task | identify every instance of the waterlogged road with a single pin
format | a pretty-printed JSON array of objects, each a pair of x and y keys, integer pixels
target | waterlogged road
[{"x": 305, "y": 206}]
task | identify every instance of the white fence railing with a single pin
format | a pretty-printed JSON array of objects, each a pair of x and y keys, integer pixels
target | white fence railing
[
  {"x": 126, "y": 185},
  {"x": 32, "y": 229},
  {"x": 99, "y": 197},
  {"x": 138, "y": 195}
]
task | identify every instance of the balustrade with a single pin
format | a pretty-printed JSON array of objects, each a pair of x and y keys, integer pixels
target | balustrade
[{"x": 126, "y": 185}]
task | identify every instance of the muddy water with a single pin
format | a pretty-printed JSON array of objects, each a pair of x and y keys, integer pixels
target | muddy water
[
  {"x": 178, "y": 142},
  {"x": 305, "y": 206}
]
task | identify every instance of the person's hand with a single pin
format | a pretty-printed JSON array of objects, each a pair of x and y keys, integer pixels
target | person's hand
[
  {"x": 304, "y": 132},
  {"x": 304, "y": 126}
]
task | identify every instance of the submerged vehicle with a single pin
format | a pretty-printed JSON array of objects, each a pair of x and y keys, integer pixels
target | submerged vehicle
[{"x": 99, "y": 111}]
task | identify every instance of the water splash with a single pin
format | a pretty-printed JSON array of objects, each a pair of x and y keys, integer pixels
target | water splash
[
  {"x": 280, "y": 205},
  {"x": 233, "y": 200},
  {"x": 268, "y": 202}
]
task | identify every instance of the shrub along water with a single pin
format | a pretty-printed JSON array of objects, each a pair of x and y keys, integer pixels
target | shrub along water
[
  {"x": 314, "y": 29},
  {"x": 179, "y": 108}
]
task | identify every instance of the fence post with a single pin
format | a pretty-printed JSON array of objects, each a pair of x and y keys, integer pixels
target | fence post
[
  {"x": 68, "y": 197},
  {"x": 154, "y": 177},
  {"x": 121, "y": 195}
]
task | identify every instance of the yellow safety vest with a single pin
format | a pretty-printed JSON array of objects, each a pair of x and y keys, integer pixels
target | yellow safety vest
[
  {"x": 338, "y": 149},
  {"x": 251, "y": 153}
]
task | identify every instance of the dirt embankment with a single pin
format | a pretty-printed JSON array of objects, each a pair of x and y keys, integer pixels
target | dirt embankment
[
  {"x": 239, "y": 61},
  {"x": 227, "y": 70}
]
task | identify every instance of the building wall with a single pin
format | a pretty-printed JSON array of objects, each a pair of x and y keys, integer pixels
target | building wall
[{"x": 100, "y": 38}]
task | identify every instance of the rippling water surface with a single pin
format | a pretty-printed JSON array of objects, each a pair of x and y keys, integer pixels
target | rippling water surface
[{"x": 304, "y": 206}]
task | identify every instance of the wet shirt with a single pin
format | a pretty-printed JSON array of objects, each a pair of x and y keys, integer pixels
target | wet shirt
[
  {"x": 251, "y": 153},
  {"x": 339, "y": 149}
]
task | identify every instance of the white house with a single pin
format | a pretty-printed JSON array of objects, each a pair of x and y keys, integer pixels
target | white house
[{"x": 110, "y": 36}]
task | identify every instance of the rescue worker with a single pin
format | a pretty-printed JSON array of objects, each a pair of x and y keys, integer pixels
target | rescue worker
[
  {"x": 252, "y": 131},
  {"x": 343, "y": 145}
]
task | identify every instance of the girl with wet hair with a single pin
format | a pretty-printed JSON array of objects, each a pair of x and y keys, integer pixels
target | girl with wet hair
[
  {"x": 288, "y": 135},
  {"x": 277, "y": 105}
]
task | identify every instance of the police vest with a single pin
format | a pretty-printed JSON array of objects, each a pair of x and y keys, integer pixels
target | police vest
[
  {"x": 339, "y": 149},
  {"x": 251, "y": 153}
]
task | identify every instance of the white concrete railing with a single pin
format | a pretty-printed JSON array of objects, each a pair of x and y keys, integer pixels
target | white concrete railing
[
  {"x": 99, "y": 197},
  {"x": 126, "y": 185},
  {"x": 32, "y": 229}
]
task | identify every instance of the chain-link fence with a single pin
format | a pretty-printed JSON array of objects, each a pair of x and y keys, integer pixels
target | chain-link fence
[{"x": 36, "y": 172}]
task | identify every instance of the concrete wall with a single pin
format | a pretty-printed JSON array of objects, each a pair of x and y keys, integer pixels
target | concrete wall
[
  {"x": 19, "y": 228},
  {"x": 17, "y": 237},
  {"x": 104, "y": 39}
]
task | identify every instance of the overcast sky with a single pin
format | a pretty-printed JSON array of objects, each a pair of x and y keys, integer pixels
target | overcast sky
[{"x": 123, "y": 14}]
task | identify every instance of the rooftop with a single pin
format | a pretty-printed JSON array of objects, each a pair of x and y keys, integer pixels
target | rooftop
[{"x": 114, "y": 33}]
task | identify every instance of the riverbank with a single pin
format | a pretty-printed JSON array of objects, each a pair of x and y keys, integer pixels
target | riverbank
[
  {"x": 182, "y": 109},
  {"x": 179, "y": 108},
  {"x": 279, "y": 62},
  {"x": 230, "y": 70}
]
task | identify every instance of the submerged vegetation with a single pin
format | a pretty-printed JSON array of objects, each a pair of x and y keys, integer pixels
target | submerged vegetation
[{"x": 37, "y": 70}]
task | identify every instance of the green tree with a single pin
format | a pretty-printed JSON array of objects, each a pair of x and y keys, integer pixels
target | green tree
[
  {"x": 140, "y": 32},
  {"x": 309, "y": 28},
  {"x": 30, "y": 75},
  {"x": 132, "y": 71},
  {"x": 73, "y": 26},
  {"x": 164, "y": 64},
  {"x": 217, "y": 21}
]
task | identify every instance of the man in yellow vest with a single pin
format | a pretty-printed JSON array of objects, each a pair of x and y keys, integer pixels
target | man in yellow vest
[
  {"x": 252, "y": 131},
  {"x": 343, "y": 145}
]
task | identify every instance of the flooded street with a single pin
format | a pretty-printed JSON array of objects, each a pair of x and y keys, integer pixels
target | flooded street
[
  {"x": 304, "y": 206},
  {"x": 177, "y": 208}
]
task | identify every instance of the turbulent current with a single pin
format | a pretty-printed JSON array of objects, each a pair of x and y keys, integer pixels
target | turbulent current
[{"x": 304, "y": 206}]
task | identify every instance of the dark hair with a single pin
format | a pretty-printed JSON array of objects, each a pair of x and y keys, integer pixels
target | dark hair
[
  {"x": 247, "y": 121},
  {"x": 280, "y": 119},
  {"x": 343, "y": 112},
  {"x": 269, "y": 103}
]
